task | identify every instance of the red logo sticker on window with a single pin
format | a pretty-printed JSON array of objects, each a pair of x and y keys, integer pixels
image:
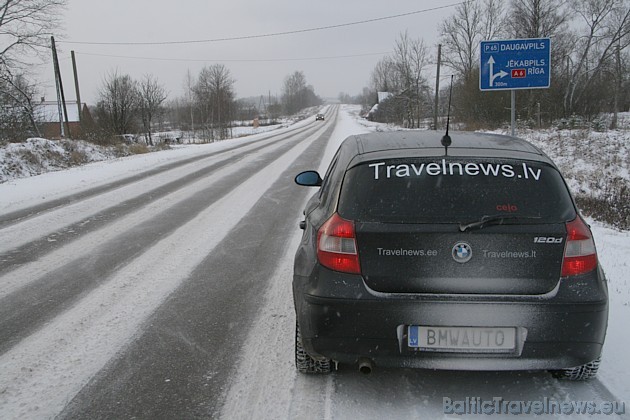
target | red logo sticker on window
[{"x": 510, "y": 208}]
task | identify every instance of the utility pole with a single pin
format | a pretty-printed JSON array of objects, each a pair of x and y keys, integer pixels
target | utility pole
[
  {"x": 60, "y": 88},
  {"x": 59, "y": 109},
  {"x": 76, "y": 86},
  {"x": 437, "y": 88}
]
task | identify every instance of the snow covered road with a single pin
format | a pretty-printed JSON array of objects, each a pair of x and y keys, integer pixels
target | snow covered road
[{"x": 82, "y": 298}]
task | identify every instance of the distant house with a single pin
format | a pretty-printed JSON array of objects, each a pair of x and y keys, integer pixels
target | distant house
[{"x": 47, "y": 118}]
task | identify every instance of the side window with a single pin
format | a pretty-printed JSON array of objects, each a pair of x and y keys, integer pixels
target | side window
[{"x": 325, "y": 189}]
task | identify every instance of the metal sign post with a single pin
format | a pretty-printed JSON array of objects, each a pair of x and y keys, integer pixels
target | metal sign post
[
  {"x": 515, "y": 64},
  {"x": 513, "y": 111}
]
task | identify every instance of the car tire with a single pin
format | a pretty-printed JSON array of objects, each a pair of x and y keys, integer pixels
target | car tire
[
  {"x": 304, "y": 363},
  {"x": 579, "y": 373}
]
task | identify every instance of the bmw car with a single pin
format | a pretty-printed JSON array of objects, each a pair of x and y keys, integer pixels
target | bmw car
[{"x": 464, "y": 256}]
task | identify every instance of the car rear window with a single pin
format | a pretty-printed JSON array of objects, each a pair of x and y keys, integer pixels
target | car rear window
[{"x": 446, "y": 190}]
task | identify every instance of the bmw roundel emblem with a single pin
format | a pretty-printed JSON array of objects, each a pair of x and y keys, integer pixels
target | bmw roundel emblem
[{"x": 462, "y": 252}]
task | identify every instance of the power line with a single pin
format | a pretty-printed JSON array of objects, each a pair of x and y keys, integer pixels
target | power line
[
  {"x": 262, "y": 60},
  {"x": 298, "y": 31}
]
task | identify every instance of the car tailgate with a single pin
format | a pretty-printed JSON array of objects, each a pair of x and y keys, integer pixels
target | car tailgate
[{"x": 420, "y": 258}]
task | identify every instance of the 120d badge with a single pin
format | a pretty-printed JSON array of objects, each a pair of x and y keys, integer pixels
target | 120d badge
[{"x": 547, "y": 240}]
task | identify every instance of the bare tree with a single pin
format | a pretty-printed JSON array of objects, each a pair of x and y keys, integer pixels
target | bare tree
[
  {"x": 151, "y": 95},
  {"x": 293, "y": 92},
  {"x": 20, "y": 92},
  {"x": 214, "y": 94},
  {"x": 383, "y": 78},
  {"x": 25, "y": 30},
  {"x": 410, "y": 58},
  {"x": 17, "y": 108},
  {"x": 189, "y": 84},
  {"x": 461, "y": 34},
  {"x": 542, "y": 19},
  {"x": 538, "y": 18},
  {"x": 296, "y": 94},
  {"x": 402, "y": 74},
  {"x": 493, "y": 20},
  {"x": 606, "y": 29},
  {"x": 118, "y": 104},
  {"x": 26, "y": 27}
]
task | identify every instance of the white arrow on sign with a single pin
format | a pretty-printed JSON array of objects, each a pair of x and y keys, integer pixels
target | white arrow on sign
[{"x": 494, "y": 76}]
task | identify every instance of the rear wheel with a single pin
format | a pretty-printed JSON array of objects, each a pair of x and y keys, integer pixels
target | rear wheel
[
  {"x": 579, "y": 373},
  {"x": 304, "y": 362}
]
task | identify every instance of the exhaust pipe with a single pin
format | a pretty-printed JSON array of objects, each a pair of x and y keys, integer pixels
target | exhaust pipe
[{"x": 365, "y": 365}]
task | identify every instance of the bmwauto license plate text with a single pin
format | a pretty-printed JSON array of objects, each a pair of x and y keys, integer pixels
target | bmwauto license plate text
[{"x": 467, "y": 339}]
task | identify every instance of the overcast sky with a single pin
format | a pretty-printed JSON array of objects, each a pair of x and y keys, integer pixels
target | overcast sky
[{"x": 259, "y": 65}]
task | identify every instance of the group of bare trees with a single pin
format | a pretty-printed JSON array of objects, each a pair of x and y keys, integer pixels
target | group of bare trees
[
  {"x": 208, "y": 107},
  {"x": 127, "y": 106},
  {"x": 596, "y": 62},
  {"x": 460, "y": 35},
  {"x": 125, "y": 103},
  {"x": 589, "y": 41},
  {"x": 588, "y": 38},
  {"x": 17, "y": 110},
  {"x": 402, "y": 73},
  {"x": 25, "y": 30},
  {"x": 208, "y": 110},
  {"x": 214, "y": 98}
]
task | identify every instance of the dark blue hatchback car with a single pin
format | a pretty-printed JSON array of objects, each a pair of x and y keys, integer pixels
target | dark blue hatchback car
[{"x": 470, "y": 257}]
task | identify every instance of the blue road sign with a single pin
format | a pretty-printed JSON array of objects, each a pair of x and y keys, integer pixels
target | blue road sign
[{"x": 515, "y": 64}]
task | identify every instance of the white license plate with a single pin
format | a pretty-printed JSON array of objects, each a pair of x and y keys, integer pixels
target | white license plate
[{"x": 466, "y": 339}]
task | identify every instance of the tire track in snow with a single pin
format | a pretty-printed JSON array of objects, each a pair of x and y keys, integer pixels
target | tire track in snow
[{"x": 265, "y": 384}]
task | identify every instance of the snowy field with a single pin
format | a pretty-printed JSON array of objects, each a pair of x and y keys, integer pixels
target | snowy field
[{"x": 274, "y": 327}]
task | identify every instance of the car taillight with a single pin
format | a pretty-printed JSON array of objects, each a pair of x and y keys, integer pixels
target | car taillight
[
  {"x": 580, "y": 255},
  {"x": 337, "y": 246}
]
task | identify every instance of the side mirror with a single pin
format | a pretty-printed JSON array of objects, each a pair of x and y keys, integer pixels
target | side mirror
[{"x": 309, "y": 179}]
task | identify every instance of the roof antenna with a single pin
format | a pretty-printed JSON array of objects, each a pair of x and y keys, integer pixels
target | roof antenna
[{"x": 446, "y": 140}]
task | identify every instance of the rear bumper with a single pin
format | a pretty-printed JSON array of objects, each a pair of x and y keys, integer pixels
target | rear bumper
[{"x": 551, "y": 333}]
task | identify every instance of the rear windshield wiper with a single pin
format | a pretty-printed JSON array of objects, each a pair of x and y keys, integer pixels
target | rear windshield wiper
[{"x": 496, "y": 219}]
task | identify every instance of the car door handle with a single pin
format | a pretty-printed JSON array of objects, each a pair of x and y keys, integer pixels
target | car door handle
[{"x": 303, "y": 224}]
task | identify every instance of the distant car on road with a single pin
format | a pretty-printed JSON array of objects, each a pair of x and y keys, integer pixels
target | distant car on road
[
  {"x": 468, "y": 257},
  {"x": 319, "y": 117}
]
